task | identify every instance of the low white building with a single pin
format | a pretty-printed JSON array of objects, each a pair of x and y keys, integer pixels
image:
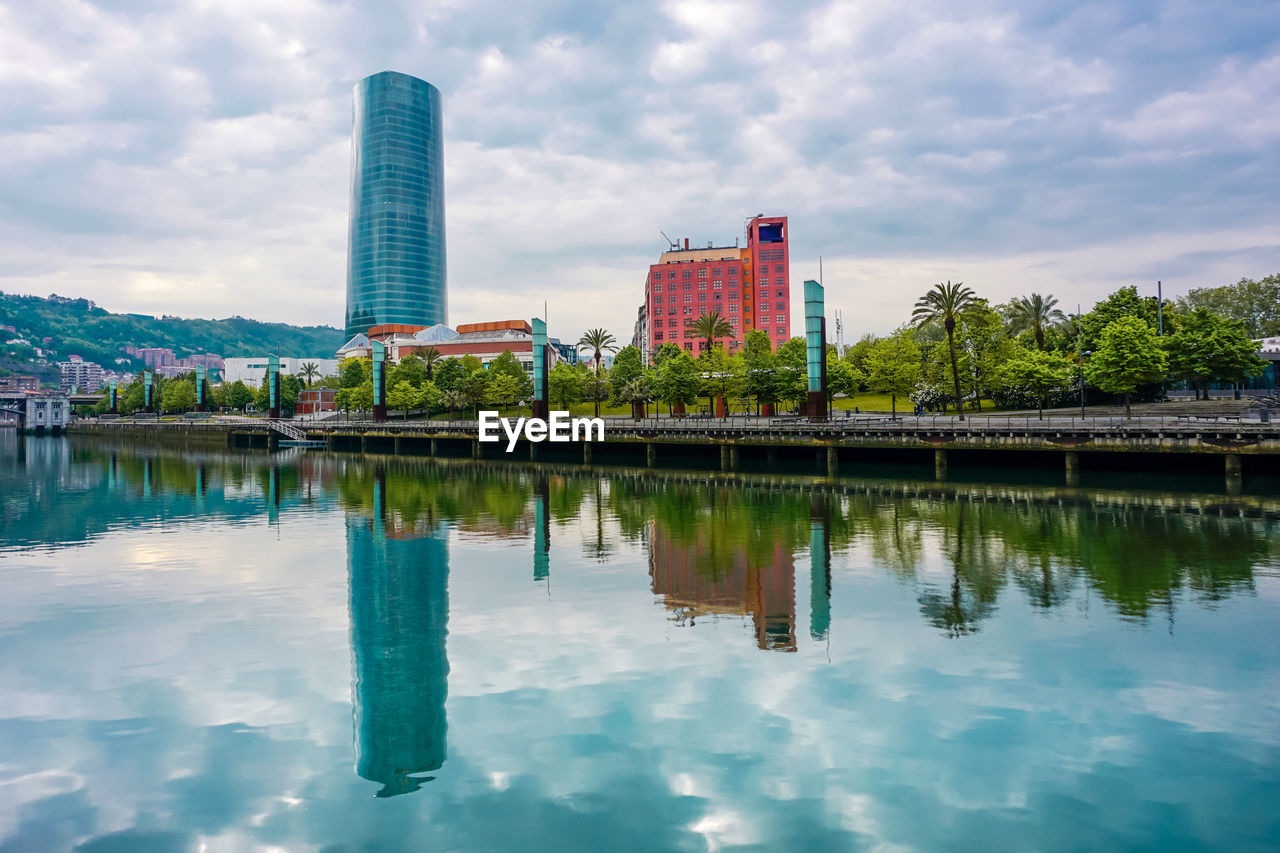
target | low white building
[{"x": 251, "y": 371}]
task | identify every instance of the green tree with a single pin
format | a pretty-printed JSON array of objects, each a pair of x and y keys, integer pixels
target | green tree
[
  {"x": 565, "y": 385},
  {"x": 842, "y": 378},
  {"x": 636, "y": 391},
  {"x": 893, "y": 366},
  {"x": 665, "y": 351},
  {"x": 793, "y": 370},
  {"x": 723, "y": 375},
  {"x": 1035, "y": 314},
  {"x": 986, "y": 348},
  {"x": 1206, "y": 347},
  {"x": 679, "y": 380},
  {"x": 709, "y": 327},
  {"x": 178, "y": 397},
  {"x": 449, "y": 374},
  {"x": 597, "y": 341},
  {"x": 310, "y": 372},
  {"x": 1128, "y": 355},
  {"x": 506, "y": 364},
  {"x": 431, "y": 357},
  {"x": 1039, "y": 372},
  {"x": 362, "y": 396},
  {"x": 351, "y": 373},
  {"x": 411, "y": 369},
  {"x": 856, "y": 353},
  {"x": 761, "y": 367},
  {"x": 471, "y": 364},
  {"x": 628, "y": 366},
  {"x": 454, "y": 400},
  {"x": 476, "y": 388},
  {"x": 403, "y": 396},
  {"x": 1254, "y": 303},
  {"x": 237, "y": 395},
  {"x": 946, "y": 304},
  {"x": 503, "y": 391},
  {"x": 1124, "y": 302}
]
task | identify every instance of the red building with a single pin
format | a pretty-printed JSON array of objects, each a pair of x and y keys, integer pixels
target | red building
[
  {"x": 314, "y": 400},
  {"x": 749, "y": 287}
]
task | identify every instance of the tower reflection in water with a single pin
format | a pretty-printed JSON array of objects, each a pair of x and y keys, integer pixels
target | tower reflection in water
[{"x": 398, "y": 574}]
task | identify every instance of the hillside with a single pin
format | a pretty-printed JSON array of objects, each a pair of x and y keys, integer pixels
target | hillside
[{"x": 78, "y": 326}]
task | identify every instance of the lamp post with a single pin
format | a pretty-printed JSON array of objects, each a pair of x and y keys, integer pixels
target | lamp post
[{"x": 1080, "y": 363}]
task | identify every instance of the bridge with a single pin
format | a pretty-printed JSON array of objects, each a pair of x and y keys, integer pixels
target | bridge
[{"x": 1183, "y": 443}]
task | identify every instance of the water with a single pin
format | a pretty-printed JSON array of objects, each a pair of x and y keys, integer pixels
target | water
[{"x": 217, "y": 651}]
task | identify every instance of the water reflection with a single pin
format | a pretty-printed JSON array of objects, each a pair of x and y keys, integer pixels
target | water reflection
[{"x": 398, "y": 574}]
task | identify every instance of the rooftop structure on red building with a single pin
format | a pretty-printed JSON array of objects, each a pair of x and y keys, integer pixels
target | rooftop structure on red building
[{"x": 748, "y": 286}]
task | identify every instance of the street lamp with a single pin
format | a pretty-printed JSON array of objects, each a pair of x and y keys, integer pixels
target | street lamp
[{"x": 1080, "y": 363}]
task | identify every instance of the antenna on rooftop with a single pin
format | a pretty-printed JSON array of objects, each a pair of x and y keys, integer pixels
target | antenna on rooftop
[{"x": 839, "y": 332}]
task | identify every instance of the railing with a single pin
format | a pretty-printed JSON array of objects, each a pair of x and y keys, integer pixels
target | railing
[{"x": 287, "y": 429}]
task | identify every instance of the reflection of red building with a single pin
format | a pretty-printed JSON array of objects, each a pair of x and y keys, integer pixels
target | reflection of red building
[{"x": 694, "y": 581}]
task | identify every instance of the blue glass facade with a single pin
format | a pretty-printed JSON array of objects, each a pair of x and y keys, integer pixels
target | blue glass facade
[{"x": 395, "y": 247}]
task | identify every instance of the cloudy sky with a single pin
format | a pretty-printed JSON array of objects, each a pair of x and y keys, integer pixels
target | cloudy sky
[{"x": 193, "y": 158}]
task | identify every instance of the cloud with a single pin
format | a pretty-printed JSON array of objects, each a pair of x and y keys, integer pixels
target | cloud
[{"x": 194, "y": 159}]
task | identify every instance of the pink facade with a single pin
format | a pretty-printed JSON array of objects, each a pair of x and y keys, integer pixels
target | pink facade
[{"x": 749, "y": 287}]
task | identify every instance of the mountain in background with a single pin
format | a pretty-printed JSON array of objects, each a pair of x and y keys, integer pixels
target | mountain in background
[{"x": 79, "y": 327}]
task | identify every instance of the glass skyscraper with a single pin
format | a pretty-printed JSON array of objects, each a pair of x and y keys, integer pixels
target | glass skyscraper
[{"x": 395, "y": 247}]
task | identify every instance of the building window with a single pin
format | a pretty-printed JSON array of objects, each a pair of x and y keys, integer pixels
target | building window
[
  {"x": 717, "y": 297},
  {"x": 780, "y": 306},
  {"x": 688, "y": 346},
  {"x": 781, "y": 292},
  {"x": 702, "y": 297},
  {"x": 672, "y": 308},
  {"x": 733, "y": 272},
  {"x": 688, "y": 286},
  {"x": 780, "y": 282},
  {"x": 671, "y": 276},
  {"x": 702, "y": 285},
  {"x": 717, "y": 284},
  {"x": 687, "y": 274},
  {"x": 688, "y": 310},
  {"x": 657, "y": 336},
  {"x": 733, "y": 296},
  {"x": 657, "y": 300},
  {"x": 733, "y": 309},
  {"x": 688, "y": 297},
  {"x": 657, "y": 287}
]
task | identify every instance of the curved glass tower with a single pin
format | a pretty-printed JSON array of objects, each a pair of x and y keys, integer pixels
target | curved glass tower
[{"x": 395, "y": 244}]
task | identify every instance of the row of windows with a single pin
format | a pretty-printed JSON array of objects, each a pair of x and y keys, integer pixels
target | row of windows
[{"x": 772, "y": 255}]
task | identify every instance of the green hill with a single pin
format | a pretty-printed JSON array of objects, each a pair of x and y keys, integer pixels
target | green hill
[{"x": 78, "y": 326}]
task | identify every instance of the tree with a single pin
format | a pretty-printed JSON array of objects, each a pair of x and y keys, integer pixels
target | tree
[
  {"x": 856, "y": 353},
  {"x": 449, "y": 374},
  {"x": 453, "y": 400},
  {"x": 403, "y": 396},
  {"x": 361, "y": 396},
  {"x": 842, "y": 378},
  {"x": 1124, "y": 302},
  {"x": 178, "y": 397},
  {"x": 309, "y": 372},
  {"x": 985, "y": 346},
  {"x": 1039, "y": 372},
  {"x": 565, "y": 385},
  {"x": 1128, "y": 355},
  {"x": 709, "y": 327},
  {"x": 430, "y": 357},
  {"x": 635, "y": 391},
  {"x": 351, "y": 372},
  {"x": 1036, "y": 314},
  {"x": 597, "y": 341},
  {"x": 1254, "y": 303},
  {"x": 1206, "y": 347},
  {"x": 761, "y": 367},
  {"x": 475, "y": 387},
  {"x": 678, "y": 380},
  {"x": 506, "y": 364},
  {"x": 471, "y": 364},
  {"x": 793, "y": 370},
  {"x": 665, "y": 351},
  {"x": 411, "y": 369},
  {"x": 628, "y": 366},
  {"x": 893, "y": 366},
  {"x": 502, "y": 391},
  {"x": 237, "y": 395},
  {"x": 723, "y": 375},
  {"x": 946, "y": 304}
]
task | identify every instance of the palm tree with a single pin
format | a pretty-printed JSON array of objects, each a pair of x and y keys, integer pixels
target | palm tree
[
  {"x": 711, "y": 326},
  {"x": 946, "y": 303},
  {"x": 598, "y": 341},
  {"x": 635, "y": 391},
  {"x": 430, "y": 355},
  {"x": 1037, "y": 313},
  {"x": 309, "y": 372},
  {"x": 453, "y": 400}
]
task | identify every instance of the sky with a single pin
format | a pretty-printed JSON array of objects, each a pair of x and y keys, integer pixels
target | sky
[{"x": 194, "y": 158}]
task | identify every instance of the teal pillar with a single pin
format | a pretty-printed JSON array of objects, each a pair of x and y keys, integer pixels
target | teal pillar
[{"x": 815, "y": 341}]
